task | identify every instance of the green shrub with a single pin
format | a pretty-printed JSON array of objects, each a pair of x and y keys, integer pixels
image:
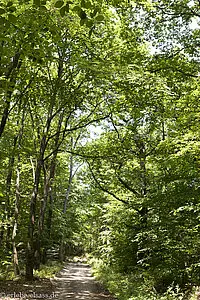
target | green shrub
[
  {"x": 49, "y": 270},
  {"x": 134, "y": 286}
]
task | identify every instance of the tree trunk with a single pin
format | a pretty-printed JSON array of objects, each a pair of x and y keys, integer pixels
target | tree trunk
[
  {"x": 142, "y": 253},
  {"x": 11, "y": 76},
  {"x": 142, "y": 159},
  {"x": 50, "y": 213},
  {"x": 30, "y": 251},
  {"x": 29, "y": 262},
  {"x": 1, "y": 236},
  {"x": 8, "y": 191},
  {"x": 33, "y": 244},
  {"x": 69, "y": 184},
  {"x": 48, "y": 182},
  {"x": 4, "y": 117},
  {"x": 17, "y": 198},
  {"x": 62, "y": 251},
  {"x": 71, "y": 173}
]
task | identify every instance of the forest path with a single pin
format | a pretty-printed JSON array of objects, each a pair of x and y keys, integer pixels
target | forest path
[{"x": 75, "y": 281}]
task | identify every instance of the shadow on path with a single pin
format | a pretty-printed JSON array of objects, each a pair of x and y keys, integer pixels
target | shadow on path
[{"x": 76, "y": 282}]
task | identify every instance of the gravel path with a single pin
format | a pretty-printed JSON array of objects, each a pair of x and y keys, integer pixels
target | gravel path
[{"x": 76, "y": 282}]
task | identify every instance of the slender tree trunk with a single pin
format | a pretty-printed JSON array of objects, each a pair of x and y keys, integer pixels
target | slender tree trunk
[
  {"x": 66, "y": 201},
  {"x": 33, "y": 245},
  {"x": 144, "y": 210},
  {"x": 143, "y": 254},
  {"x": 1, "y": 236},
  {"x": 143, "y": 191},
  {"x": 62, "y": 244},
  {"x": 62, "y": 251},
  {"x": 72, "y": 173},
  {"x": 11, "y": 76},
  {"x": 69, "y": 184},
  {"x": 163, "y": 130},
  {"x": 30, "y": 251},
  {"x": 17, "y": 193},
  {"x": 50, "y": 213},
  {"x": 8, "y": 192},
  {"x": 48, "y": 186},
  {"x": 15, "y": 225},
  {"x": 4, "y": 117}
]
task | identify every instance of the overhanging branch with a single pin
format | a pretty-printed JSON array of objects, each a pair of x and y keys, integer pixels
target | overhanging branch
[
  {"x": 128, "y": 187},
  {"x": 104, "y": 189}
]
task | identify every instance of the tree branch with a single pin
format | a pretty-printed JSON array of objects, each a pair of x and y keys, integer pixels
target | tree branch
[
  {"x": 128, "y": 187},
  {"x": 104, "y": 189}
]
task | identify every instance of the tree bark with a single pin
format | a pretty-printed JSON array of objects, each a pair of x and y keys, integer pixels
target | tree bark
[
  {"x": 15, "y": 225},
  {"x": 8, "y": 191},
  {"x": 69, "y": 183},
  {"x": 48, "y": 186},
  {"x": 30, "y": 251},
  {"x": 10, "y": 74},
  {"x": 71, "y": 173},
  {"x": 33, "y": 244}
]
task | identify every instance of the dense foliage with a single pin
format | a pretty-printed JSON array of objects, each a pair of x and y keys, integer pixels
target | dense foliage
[{"x": 129, "y": 193}]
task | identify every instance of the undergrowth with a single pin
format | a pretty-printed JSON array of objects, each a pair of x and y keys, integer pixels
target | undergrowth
[
  {"x": 45, "y": 271},
  {"x": 49, "y": 270},
  {"x": 134, "y": 286}
]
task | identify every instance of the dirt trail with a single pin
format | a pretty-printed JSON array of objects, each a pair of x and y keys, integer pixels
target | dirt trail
[{"x": 76, "y": 282}]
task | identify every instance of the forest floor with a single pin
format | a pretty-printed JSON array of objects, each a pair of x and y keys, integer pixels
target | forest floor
[{"x": 74, "y": 281}]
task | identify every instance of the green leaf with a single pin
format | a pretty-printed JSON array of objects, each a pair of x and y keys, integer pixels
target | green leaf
[
  {"x": 3, "y": 83},
  {"x": 91, "y": 31},
  {"x": 89, "y": 23},
  {"x": 100, "y": 18},
  {"x": 86, "y": 4},
  {"x": 82, "y": 22},
  {"x": 10, "y": 3},
  {"x": 42, "y": 7},
  {"x": 12, "y": 18},
  {"x": 2, "y": 11},
  {"x": 116, "y": 2},
  {"x": 63, "y": 11},
  {"x": 82, "y": 3},
  {"x": 93, "y": 14},
  {"x": 77, "y": 9},
  {"x": 82, "y": 14},
  {"x": 12, "y": 9},
  {"x": 36, "y": 2},
  {"x": 59, "y": 4},
  {"x": 4, "y": 21},
  {"x": 67, "y": 7}
]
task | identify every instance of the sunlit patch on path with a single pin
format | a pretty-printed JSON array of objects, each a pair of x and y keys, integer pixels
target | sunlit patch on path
[{"x": 76, "y": 282}]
